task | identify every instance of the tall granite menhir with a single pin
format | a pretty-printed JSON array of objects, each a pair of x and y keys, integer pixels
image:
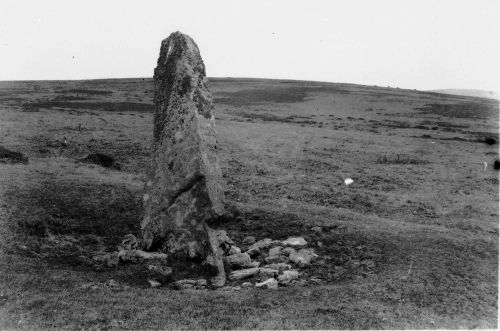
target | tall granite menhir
[{"x": 184, "y": 188}]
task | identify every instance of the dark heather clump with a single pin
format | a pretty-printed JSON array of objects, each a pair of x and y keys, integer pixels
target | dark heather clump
[
  {"x": 8, "y": 156},
  {"x": 103, "y": 160}
]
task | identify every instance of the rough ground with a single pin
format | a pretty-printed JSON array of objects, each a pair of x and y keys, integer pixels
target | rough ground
[{"x": 412, "y": 243}]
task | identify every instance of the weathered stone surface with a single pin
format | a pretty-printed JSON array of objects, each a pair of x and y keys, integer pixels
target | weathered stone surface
[
  {"x": 241, "y": 260},
  {"x": 303, "y": 257},
  {"x": 259, "y": 245},
  {"x": 184, "y": 188},
  {"x": 265, "y": 273},
  {"x": 275, "y": 251},
  {"x": 223, "y": 237},
  {"x": 249, "y": 240},
  {"x": 287, "y": 276},
  {"x": 234, "y": 250},
  {"x": 295, "y": 242},
  {"x": 276, "y": 259},
  {"x": 243, "y": 273},
  {"x": 225, "y": 243},
  {"x": 254, "y": 264},
  {"x": 279, "y": 266},
  {"x": 270, "y": 283},
  {"x": 287, "y": 251}
]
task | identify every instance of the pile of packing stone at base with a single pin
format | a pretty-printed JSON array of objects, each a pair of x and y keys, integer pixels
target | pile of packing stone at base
[{"x": 265, "y": 263}]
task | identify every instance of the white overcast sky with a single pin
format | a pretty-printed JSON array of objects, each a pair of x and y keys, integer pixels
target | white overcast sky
[{"x": 409, "y": 44}]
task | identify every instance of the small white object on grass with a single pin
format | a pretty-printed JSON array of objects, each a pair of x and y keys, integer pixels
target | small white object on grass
[
  {"x": 154, "y": 283},
  {"x": 348, "y": 181},
  {"x": 485, "y": 166}
]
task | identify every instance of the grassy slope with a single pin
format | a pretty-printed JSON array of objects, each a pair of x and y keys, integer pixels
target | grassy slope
[
  {"x": 411, "y": 244},
  {"x": 472, "y": 93}
]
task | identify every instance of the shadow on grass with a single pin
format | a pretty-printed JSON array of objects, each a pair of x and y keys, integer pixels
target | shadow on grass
[{"x": 77, "y": 209}]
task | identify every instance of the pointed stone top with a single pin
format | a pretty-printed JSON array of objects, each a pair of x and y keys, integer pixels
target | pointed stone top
[{"x": 179, "y": 46}]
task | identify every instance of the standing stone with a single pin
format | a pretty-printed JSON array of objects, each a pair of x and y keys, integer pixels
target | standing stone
[{"x": 184, "y": 188}]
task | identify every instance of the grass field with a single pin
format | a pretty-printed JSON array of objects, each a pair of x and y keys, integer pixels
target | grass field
[{"x": 412, "y": 243}]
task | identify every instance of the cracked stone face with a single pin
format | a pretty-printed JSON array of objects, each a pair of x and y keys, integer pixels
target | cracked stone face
[{"x": 184, "y": 188}]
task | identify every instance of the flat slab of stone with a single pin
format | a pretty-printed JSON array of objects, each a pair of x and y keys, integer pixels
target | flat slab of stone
[
  {"x": 239, "y": 260},
  {"x": 260, "y": 245},
  {"x": 243, "y": 273},
  {"x": 295, "y": 242},
  {"x": 275, "y": 251},
  {"x": 276, "y": 259},
  {"x": 278, "y": 266},
  {"x": 270, "y": 283}
]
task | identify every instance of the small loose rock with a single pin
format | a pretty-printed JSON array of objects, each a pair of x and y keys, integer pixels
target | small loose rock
[
  {"x": 265, "y": 273},
  {"x": 276, "y": 259},
  {"x": 249, "y": 240},
  {"x": 275, "y": 251},
  {"x": 288, "y": 250},
  {"x": 238, "y": 261},
  {"x": 271, "y": 283},
  {"x": 154, "y": 283},
  {"x": 243, "y": 273},
  {"x": 295, "y": 242},
  {"x": 259, "y": 245},
  {"x": 234, "y": 250},
  {"x": 287, "y": 276},
  {"x": 279, "y": 266},
  {"x": 303, "y": 257}
]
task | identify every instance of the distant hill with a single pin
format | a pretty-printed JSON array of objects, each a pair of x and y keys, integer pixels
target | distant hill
[{"x": 470, "y": 93}]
